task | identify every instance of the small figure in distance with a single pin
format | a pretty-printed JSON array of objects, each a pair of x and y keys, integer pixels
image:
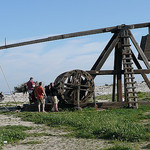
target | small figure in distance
[
  {"x": 30, "y": 85},
  {"x": 39, "y": 94},
  {"x": 54, "y": 94},
  {"x": 1, "y": 96},
  {"x": 25, "y": 90}
]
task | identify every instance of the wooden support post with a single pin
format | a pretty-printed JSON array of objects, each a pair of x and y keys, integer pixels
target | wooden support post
[
  {"x": 114, "y": 88},
  {"x": 94, "y": 101},
  {"x": 114, "y": 77},
  {"x": 119, "y": 74},
  {"x": 78, "y": 97}
]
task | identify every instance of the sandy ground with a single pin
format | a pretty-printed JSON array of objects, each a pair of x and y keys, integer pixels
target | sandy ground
[{"x": 53, "y": 142}]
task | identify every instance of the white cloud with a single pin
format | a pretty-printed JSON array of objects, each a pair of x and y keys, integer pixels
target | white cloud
[{"x": 46, "y": 61}]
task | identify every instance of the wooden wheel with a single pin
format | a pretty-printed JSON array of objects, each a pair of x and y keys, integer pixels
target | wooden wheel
[{"x": 69, "y": 83}]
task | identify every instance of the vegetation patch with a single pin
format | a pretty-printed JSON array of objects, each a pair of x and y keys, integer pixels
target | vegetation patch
[
  {"x": 147, "y": 146},
  {"x": 32, "y": 142},
  {"x": 105, "y": 97},
  {"x": 39, "y": 134},
  {"x": 116, "y": 124},
  {"x": 12, "y": 134},
  {"x": 120, "y": 147},
  {"x": 143, "y": 96}
]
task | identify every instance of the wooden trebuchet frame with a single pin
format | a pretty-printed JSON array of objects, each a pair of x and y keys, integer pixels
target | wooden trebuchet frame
[{"x": 123, "y": 59}]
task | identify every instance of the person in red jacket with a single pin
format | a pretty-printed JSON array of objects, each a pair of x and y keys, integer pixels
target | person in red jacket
[
  {"x": 30, "y": 85},
  {"x": 39, "y": 94}
]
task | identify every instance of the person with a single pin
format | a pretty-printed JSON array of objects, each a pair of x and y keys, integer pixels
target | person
[
  {"x": 1, "y": 96},
  {"x": 39, "y": 94},
  {"x": 34, "y": 100},
  {"x": 48, "y": 94},
  {"x": 54, "y": 94},
  {"x": 25, "y": 89},
  {"x": 30, "y": 85}
]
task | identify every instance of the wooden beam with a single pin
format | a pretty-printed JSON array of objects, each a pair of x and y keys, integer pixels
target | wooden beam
[
  {"x": 105, "y": 53},
  {"x": 112, "y": 72},
  {"x": 145, "y": 60},
  {"x": 140, "y": 68},
  {"x": 77, "y": 34}
]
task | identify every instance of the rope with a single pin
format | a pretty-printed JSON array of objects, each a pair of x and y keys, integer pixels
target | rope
[{"x": 8, "y": 85}]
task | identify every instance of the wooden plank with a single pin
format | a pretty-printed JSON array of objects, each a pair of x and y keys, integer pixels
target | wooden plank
[
  {"x": 76, "y": 34},
  {"x": 111, "y": 72},
  {"x": 139, "y": 50}
]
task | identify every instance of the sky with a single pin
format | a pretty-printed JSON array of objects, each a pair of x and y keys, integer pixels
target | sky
[{"x": 23, "y": 20}]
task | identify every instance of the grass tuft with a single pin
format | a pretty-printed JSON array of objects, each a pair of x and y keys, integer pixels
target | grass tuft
[
  {"x": 12, "y": 134},
  {"x": 120, "y": 147},
  {"x": 32, "y": 142}
]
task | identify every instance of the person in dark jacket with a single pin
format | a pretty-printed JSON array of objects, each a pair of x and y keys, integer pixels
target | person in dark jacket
[
  {"x": 48, "y": 94},
  {"x": 54, "y": 94}
]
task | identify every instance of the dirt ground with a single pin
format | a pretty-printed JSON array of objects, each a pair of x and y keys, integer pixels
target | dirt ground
[{"x": 53, "y": 142}]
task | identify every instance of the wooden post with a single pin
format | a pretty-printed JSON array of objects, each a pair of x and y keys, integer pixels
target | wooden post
[
  {"x": 119, "y": 74},
  {"x": 114, "y": 77},
  {"x": 78, "y": 97},
  {"x": 94, "y": 101}
]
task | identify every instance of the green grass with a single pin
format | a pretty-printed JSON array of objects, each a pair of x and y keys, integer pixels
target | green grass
[
  {"x": 32, "y": 142},
  {"x": 120, "y": 147},
  {"x": 116, "y": 124},
  {"x": 39, "y": 134},
  {"x": 141, "y": 96},
  {"x": 144, "y": 96},
  {"x": 105, "y": 97},
  {"x": 148, "y": 146},
  {"x": 12, "y": 134}
]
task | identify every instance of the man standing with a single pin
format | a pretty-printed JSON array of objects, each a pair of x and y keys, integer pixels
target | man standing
[
  {"x": 30, "y": 85},
  {"x": 39, "y": 94},
  {"x": 48, "y": 94},
  {"x": 54, "y": 94}
]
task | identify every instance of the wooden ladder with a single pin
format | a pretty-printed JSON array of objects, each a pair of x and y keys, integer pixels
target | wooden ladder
[{"x": 129, "y": 79}]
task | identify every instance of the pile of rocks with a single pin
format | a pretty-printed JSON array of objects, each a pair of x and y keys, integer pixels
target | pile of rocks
[{"x": 105, "y": 90}]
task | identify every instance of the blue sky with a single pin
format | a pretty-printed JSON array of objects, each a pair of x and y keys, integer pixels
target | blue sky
[{"x": 23, "y": 20}]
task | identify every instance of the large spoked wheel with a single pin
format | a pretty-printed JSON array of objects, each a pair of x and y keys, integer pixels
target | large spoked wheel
[{"x": 75, "y": 84}]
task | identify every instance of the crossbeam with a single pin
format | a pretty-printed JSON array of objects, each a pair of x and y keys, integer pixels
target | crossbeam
[
  {"x": 112, "y": 72},
  {"x": 76, "y": 34}
]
